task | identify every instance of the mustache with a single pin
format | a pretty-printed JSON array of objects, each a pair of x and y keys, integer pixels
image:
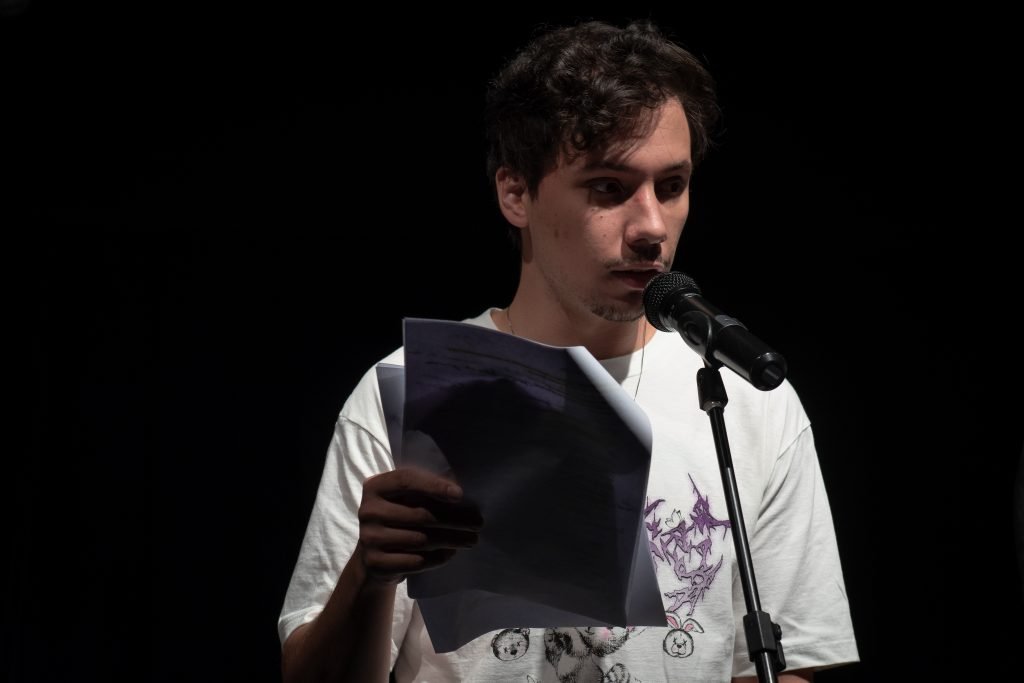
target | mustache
[{"x": 639, "y": 263}]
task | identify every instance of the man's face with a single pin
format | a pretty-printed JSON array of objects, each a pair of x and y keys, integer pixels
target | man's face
[{"x": 599, "y": 228}]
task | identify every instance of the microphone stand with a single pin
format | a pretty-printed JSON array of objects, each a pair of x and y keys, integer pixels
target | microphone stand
[{"x": 763, "y": 636}]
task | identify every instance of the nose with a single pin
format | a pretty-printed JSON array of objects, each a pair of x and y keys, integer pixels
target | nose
[{"x": 646, "y": 224}]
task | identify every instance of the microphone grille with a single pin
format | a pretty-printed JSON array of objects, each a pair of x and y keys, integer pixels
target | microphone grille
[{"x": 660, "y": 286}]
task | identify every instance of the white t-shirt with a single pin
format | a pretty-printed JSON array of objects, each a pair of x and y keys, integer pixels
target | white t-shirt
[{"x": 785, "y": 512}]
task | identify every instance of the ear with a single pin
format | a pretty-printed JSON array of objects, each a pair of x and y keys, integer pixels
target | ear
[{"x": 512, "y": 197}]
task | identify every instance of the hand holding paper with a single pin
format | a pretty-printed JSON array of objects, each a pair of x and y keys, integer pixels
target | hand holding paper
[{"x": 396, "y": 540}]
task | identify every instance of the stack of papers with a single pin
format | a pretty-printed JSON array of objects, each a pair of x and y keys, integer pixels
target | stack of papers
[{"x": 556, "y": 456}]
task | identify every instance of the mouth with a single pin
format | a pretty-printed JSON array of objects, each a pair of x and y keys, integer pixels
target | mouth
[{"x": 636, "y": 278}]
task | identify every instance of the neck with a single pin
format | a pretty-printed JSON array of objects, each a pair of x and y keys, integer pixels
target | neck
[{"x": 603, "y": 338}]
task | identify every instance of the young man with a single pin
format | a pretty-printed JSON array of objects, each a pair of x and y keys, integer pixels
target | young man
[{"x": 594, "y": 133}]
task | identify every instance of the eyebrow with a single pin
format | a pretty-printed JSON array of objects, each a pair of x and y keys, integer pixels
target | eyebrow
[{"x": 607, "y": 164}]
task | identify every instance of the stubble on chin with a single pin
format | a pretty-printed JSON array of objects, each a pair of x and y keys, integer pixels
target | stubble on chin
[{"x": 623, "y": 313}]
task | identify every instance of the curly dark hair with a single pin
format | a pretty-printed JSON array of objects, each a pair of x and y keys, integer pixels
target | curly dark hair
[{"x": 583, "y": 88}]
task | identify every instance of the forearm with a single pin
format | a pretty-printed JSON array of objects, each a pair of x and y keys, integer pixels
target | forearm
[{"x": 350, "y": 640}]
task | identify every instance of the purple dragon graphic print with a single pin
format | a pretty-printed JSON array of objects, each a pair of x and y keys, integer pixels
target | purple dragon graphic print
[{"x": 678, "y": 542}]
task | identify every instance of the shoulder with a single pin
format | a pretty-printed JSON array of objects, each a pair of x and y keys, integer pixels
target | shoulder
[{"x": 675, "y": 366}]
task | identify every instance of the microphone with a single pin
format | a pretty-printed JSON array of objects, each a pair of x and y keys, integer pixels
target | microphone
[{"x": 673, "y": 303}]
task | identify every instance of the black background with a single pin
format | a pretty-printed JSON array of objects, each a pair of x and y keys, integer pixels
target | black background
[{"x": 215, "y": 220}]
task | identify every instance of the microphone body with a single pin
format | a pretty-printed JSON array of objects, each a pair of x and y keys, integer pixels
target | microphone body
[{"x": 673, "y": 303}]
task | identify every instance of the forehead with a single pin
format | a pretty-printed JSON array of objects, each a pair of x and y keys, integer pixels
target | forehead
[{"x": 663, "y": 143}]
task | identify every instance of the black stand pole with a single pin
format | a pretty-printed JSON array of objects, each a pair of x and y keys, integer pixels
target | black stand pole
[{"x": 763, "y": 636}]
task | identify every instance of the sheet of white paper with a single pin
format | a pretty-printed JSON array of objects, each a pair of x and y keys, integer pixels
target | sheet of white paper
[{"x": 554, "y": 453}]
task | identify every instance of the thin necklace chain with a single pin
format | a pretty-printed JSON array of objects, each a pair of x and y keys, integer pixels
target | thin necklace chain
[
  {"x": 643, "y": 349},
  {"x": 643, "y": 352}
]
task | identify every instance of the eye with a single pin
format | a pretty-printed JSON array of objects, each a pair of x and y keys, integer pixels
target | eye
[
  {"x": 606, "y": 186},
  {"x": 672, "y": 187},
  {"x": 606, "y": 192}
]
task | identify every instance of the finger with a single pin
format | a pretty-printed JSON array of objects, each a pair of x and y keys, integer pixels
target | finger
[
  {"x": 414, "y": 540},
  {"x": 413, "y": 481},
  {"x": 396, "y": 565},
  {"x": 431, "y": 515}
]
